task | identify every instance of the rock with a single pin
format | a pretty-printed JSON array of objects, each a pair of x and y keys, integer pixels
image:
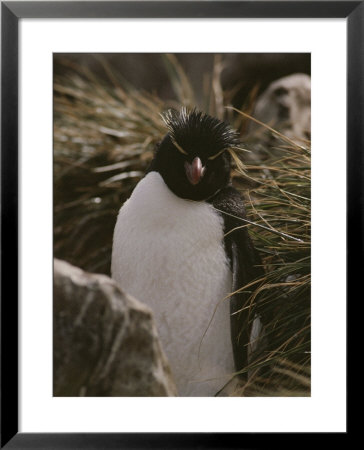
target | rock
[
  {"x": 286, "y": 106},
  {"x": 105, "y": 342}
]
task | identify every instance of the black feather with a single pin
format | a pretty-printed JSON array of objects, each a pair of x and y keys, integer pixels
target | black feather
[
  {"x": 196, "y": 131},
  {"x": 246, "y": 266}
]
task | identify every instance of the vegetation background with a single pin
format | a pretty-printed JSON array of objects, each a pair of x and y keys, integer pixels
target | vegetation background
[{"x": 106, "y": 124}]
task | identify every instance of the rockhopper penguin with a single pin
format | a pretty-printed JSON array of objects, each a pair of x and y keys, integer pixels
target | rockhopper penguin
[{"x": 179, "y": 247}]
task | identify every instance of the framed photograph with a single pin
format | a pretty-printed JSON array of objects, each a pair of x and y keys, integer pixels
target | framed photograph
[{"x": 110, "y": 109}]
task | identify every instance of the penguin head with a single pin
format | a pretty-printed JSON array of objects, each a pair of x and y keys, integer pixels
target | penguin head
[{"x": 192, "y": 158}]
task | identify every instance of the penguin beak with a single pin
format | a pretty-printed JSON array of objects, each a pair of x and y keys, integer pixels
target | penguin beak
[{"x": 194, "y": 171}]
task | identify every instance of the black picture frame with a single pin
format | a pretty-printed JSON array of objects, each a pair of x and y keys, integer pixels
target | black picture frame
[{"x": 11, "y": 12}]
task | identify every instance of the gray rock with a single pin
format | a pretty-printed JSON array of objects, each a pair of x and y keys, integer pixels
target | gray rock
[
  {"x": 105, "y": 342},
  {"x": 286, "y": 106}
]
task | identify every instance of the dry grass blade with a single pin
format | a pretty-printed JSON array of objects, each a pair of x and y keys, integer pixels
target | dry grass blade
[{"x": 277, "y": 133}]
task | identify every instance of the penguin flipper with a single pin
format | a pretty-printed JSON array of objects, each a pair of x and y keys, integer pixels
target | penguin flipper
[{"x": 245, "y": 266}]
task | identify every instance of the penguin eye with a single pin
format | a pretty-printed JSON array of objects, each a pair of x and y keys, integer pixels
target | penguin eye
[
  {"x": 179, "y": 148},
  {"x": 211, "y": 158}
]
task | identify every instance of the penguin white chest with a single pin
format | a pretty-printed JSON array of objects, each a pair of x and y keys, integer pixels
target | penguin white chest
[{"x": 169, "y": 254}]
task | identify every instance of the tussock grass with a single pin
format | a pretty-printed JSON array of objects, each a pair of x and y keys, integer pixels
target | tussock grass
[{"x": 104, "y": 137}]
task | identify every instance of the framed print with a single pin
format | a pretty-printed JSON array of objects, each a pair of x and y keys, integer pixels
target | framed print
[{"x": 209, "y": 105}]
